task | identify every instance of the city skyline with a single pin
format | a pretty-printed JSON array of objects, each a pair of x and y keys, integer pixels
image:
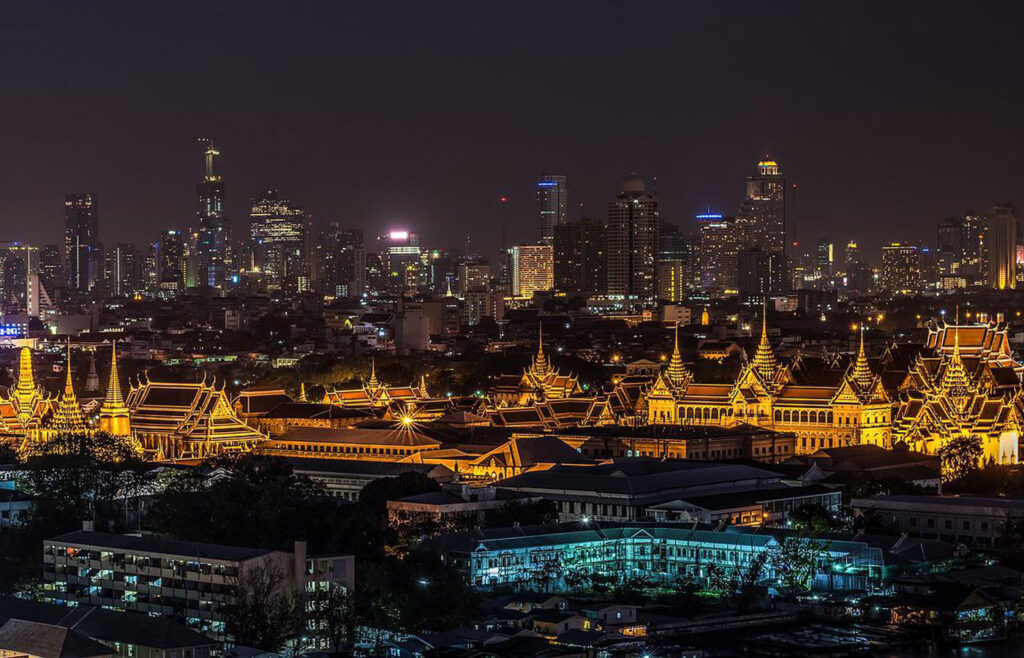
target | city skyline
[{"x": 374, "y": 165}]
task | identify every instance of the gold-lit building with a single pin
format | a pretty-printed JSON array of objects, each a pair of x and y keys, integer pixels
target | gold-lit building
[
  {"x": 538, "y": 383},
  {"x": 374, "y": 394},
  {"x": 25, "y": 407},
  {"x": 765, "y": 394},
  {"x": 966, "y": 384}
]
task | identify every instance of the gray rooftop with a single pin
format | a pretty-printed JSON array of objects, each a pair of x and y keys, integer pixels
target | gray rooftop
[{"x": 153, "y": 544}]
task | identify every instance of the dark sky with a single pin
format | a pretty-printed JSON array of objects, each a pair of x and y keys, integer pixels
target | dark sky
[{"x": 888, "y": 115}]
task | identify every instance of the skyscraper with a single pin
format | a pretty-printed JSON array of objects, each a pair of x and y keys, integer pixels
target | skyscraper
[
  {"x": 579, "y": 256},
  {"x": 81, "y": 241},
  {"x": 901, "y": 269},
  {"x": 721, "y": 239},
  {"x": 121, "y": 270},
  {"x": 764, "y": 209},
  {"x": 1002, "y": 247},
  {"x": 552, "y": 205},
  {"x": 213, "y": 249},
  {"x": 341, "y": 262},
  {"x": 51, "y": 267},
  {"x": 279, "y": 231},
  {"x": 633, "y": 241},
  {"x": 532, "y": 269}
]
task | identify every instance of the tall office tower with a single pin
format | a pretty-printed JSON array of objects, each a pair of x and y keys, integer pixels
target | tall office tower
[
  {"x": 851, "y": 254},
  {"x": 532, "y": 269},
  {"x": 826, "y": 259},
  {"x": 633, "y": 242},
  {"x": 901, "y": 269},
  {"x": 673, "y": 281},
  {"x": 213, "y": 249},
  {"x": 580, "y": 256},
  {"x": 973, "y": 240},
  {"x": 51, "y": 267},
  {"x": 764, "y": 208},
  {"x": 474, "y": 277},
  {"x": 1001, "y": 243},
  {"x": 341, "y": 262},
  {"x": 121, "y": 274},
  {"x": 860, "y": 279},
  {"x": 399, "y": 252},
  {"x": 552, "y": 206},
  {"x": 753, "y": 274},
  {"x": 81, "y": 241},
  {"x": 150, "y": 276},
  {"x": 173, "y": 261},
  {"x": 279, "y": 233},
  {"x": 720, "y": 241}
]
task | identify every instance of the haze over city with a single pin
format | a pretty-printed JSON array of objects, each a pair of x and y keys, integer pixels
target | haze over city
[{"x": 379, "y": 116}]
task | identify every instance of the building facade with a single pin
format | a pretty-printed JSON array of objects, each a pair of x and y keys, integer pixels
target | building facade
[{"x": 633, "y": 242}]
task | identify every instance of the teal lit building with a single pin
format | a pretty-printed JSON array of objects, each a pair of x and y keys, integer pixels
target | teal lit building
[{"x": 551, "y": 557}]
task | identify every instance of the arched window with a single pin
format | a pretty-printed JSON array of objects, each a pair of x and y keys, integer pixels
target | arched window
[{"x": 803, "y": 417}]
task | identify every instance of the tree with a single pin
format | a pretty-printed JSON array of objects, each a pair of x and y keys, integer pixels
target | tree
[
  {"x": 530, "y": 513},
  {"x": 376, "y": 494},
  {"x": 811, "y": 520},
  {"x": 796, "y": 561},
  {"x": 264, "y": 614},
  {"x": 959, "y": 456}
]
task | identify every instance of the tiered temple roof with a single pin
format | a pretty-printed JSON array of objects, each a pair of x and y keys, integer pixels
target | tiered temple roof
[
  {"x": 538, "y": 383},
  {"x": 26, "y": 405}
]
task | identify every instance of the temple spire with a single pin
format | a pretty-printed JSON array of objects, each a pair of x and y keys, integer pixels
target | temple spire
[
  {"x": 764, "y": 359},
  {"x": 373, "y": 383},
  {"x": 302, "y": 392},
  {"x": 68, "y": 418},
  {"x": 423, "y": 385},
  {"x": 114, "y": 416},
  {"x": 677, "y": 373},
  {"x": 861, "y": 369},
  {"x": 540, "y": 364}
]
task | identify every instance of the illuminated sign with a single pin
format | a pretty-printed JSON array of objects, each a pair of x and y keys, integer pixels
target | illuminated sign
[
  {"x": 709, "y": 216},
  {"x": 547, "y": 183},
  {"x": 12, "y": 330},
  {"x": 399, "y": 235}
]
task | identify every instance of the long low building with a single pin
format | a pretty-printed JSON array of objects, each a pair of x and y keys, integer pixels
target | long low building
[
  {"x": 542, "y": 557},
  {"x": 192, "y": 583},
  {"x": 345, "y": 478},
  {"x": 963, "y": 519},
  {"x": 377, "y": 444},
  {"x": 624, "y": 490}
]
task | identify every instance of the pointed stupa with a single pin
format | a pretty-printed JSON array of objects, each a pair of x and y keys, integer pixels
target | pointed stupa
[
  {"x": 955, "y": 379},
  {"x": 423, "y": 386},
  {"x": 68, "y": 418},
  {"x": 448, "y": 293},
  {"x": 540, "y": 362},
  {"x": 677, "y": 373},
  {"x": 861, "y": 369},
  {"x": 764, "y": 359},
  {"x": 114, "y": 416},
  {"x": 92, "y": 380},
  {"x": 373, "y": 383},
  {"x": 302, "y": 392},
  {"x": 26, "y": 395}
]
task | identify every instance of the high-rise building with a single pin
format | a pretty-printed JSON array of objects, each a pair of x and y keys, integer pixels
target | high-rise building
[
  {"x": 474, "y": 277},
  {"x": 51, "y": 267},
  {"x": 721, "y": 238},
  {"x": 173, "y": 262},
  {"x": 1001, "y": 243},
  {"x": 341, "y": 262},
  {"x": 213, "y": 249},
  {"x": 532, "y": 269},
  {"x": 901, "y": 269},
  {"x": 826, "y": 258},
  {"x": 974, "y": 264},
  {"x": 851, "y": 254},
  {"x": 279, "y": 232},
  {"x": 753, "y": 276},
  {"x": 764, "y": 209},
  {"x": 552, "y": 206},
  {"x": 399, "y": 252},
  {"x": 121, "y": 273},
  {"x": 633, "y": 242},
  {"x": 82, "y": 249},
  {"x": 580, "y": 260}
]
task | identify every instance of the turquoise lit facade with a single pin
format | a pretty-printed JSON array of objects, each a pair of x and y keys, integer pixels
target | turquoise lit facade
[{"x": 543, "y": 557}]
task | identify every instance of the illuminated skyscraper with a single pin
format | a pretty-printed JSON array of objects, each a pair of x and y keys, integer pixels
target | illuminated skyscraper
[
  {"x": 552, "y": 205},
  {"x": 633, "y": 241},
  {"x": 764, "y": 209},
  {"x": 172, "y": 265},
  {"x": 51, "y": 267},
  {"x": 81, "y": 241},
  {"x": 121, "y": 270},
  {"x": 901, "y": 269},
  {"x": 532, "y": 269},
  {"x": 721, "y": 239},
  {"x": 1001, "y": 242},
  {"x": 213, "y": 249},
  {"x": 279, "y": 231}
]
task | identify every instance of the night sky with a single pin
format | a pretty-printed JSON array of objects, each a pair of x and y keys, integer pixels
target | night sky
[{"x": 889, "y": 116}]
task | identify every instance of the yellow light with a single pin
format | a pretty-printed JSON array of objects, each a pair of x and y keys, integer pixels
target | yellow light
[
  {"x": 407, "y": 420},
  {"x": 853, "y": 327}
]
